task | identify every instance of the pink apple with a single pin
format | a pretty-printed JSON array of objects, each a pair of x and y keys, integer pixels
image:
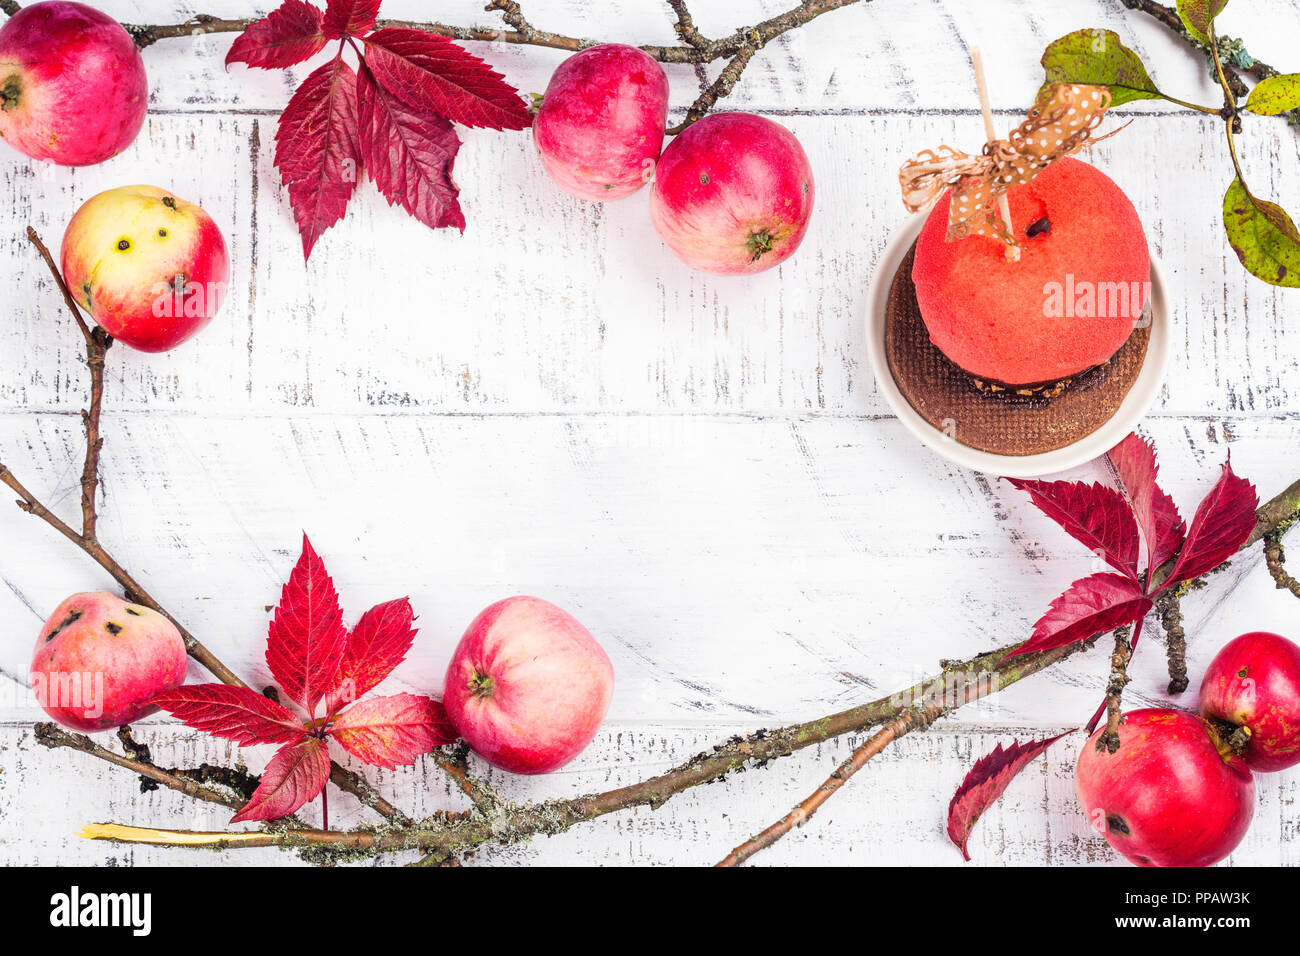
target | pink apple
[
  {"x": 72, "y": 85},
  {"x": 151, "y": 268},
  {"x": 527, "y": 686},
  {"x": 1254, "y": 682},
  {"x": 601, "y": 123},
  {"x": 99, "y": 660},
  {"x": 733, "y": 194},
  {"x": 1172, "y": 795}
]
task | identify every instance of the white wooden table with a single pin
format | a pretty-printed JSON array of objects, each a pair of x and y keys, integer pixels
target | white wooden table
[{"x": 701, "y": 469}]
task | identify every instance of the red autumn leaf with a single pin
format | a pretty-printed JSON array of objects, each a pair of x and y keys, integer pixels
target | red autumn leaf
[
  {"x": 306, "y": 637},
  {"x": 377, "y": 644},
  {"x": 985, "y": 783},
  {"x": 236, "y": 713},
  {"x": 409, "y": 154},
  {"x": 1097, "y": 517},
  {"x": 287, "y": 35},
  {"x": 317, "y": 150},
  {"x": 430, "y": 73},
  {"x": 1157, "y": 515},
  {"x": 387, "y": 731},
  {"x": 1219, "y": 528},
  {"x": 1092, "y": 605},
  {"x": 296, "y": 774},
  {"x": 350, "y": 17}
]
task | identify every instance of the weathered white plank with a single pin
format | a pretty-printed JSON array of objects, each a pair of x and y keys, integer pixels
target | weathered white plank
[
  {"x": 550, "y": 303},
  {"x": 884, "y": 54},
  {"x": 891, "y": 813},
  {"x": 739, "y": 570}
]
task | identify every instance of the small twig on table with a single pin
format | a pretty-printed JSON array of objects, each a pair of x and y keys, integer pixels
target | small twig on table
[
  {"x": 454, "y": 762},
  {"x": 738, "y": 47},
  {"x": 1275, "y": 558},
  {"x": 685, "y": 25},
  {"x": 1119, "y": 679},
  {"x": 912, "y": 720},
  {"x": 1170, "y": 608},
  {"x": 52, "y": 736},
  {"x": 97, "y": 345}
]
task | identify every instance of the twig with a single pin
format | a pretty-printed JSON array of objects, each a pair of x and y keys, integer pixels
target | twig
[
  {"x": 912, "y": 720},
  {"x": 512, "y": 822},
  {"x": 52, "y": 736},
  {"x": 1170, "y": 608},
  {"x": 738, "y": 47},
  {"x": 446, "y": 836},
  {"x": 454, "y": 761},
  {"x": 685, "y": 25},
  {"x": 1274, "y": 557},
  {"x": 97, "y": 344},
  {"x": 1233, "y": 51},
  {"x": 1119, "y": 679}
]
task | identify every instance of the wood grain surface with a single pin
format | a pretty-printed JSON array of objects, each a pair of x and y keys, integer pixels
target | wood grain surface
[{"x": 700, "y": 469}]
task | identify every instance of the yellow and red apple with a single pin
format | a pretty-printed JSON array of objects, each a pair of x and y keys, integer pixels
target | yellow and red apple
[{"x": 150, "y": 268}]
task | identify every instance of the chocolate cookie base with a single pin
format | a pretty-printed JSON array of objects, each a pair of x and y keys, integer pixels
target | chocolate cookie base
[{"x": 1003, "y": 424}]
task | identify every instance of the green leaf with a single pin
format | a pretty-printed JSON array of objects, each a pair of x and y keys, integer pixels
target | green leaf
[
  {"x": 1275, "y": 95},
  {"x": 1263, "y": 236},
  {"x": 1197, "y": 15},
  {"x": 1098, "y": 58}
]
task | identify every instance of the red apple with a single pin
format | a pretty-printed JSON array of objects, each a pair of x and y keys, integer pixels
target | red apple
[
  {"x": 1069, "y": 303},
  {"x": 733, "y": 194},
  {"x": 72, "y": 85},
  {"x": 1172, "y": 795},
  {"x": 151, "y": 268},
  {"x": 1254, "y": 682},
  {"x": 527, "y": 686},
  {"x": 601, "y": 123},
  {"x": 99, "y": 660}
]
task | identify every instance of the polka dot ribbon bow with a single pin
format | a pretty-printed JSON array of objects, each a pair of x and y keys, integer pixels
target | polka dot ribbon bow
[{"x": 1059, "y": 125}]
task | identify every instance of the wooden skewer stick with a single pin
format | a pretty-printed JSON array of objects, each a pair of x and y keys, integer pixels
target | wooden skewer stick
[{"x": 1004, "y": 207}]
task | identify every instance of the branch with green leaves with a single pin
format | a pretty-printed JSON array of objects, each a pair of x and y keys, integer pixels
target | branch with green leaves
[{"x": 1261, "y": 233}]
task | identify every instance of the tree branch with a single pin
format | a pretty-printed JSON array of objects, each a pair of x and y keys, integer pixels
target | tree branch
[{"x": 97, "y": 344}]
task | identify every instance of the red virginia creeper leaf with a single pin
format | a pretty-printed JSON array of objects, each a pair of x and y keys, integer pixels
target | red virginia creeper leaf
[
  {"x": 430, "y": 73},
  {"x": 409, "y": 154},
  {"x": 350, "y": 17},
  {"x": 1157, "y": 515},
  {"x": 296, "y": 774},
  {"x": 1097, "y": 517},
  {"x": 236, "y": 713},
  {"x": 287, "y": 35},
  {"x": 306, "y": 637},
  {"x": 1219, "y": 528},
  {"x": 387, "y": 731},
  {"x": 985, "y": 783},
  {"x": 317, "y": 150},
  {"x": 377, "y": 644},
  {"x": 1092, "y": 605}
]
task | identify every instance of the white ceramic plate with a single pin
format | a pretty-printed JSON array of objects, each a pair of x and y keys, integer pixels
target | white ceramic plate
[{"x": 1136, "y": 404}]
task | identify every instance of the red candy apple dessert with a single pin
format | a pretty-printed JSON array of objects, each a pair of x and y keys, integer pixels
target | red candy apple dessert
[
  {"x": 1173, "y": 794},
  {"x": 100, "y": 660},
  {"x": 72, "y": 85},
  {"x": 1254, "y": 683},
  {"x": 733, "y": 194},
  {"x": 150, "y": 268},
  {"x": 527, "y": 686},
  {"x": 601, "y": 123},
  {"x": 1065, "y": 306}
]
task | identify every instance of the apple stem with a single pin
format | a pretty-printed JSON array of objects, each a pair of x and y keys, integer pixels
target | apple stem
[
  {"x": 10, "y": 93},
  {"x": 759, "y": 243},
  {"x": 482, "y": 685},
  {"x": 981, "y": 85}
]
